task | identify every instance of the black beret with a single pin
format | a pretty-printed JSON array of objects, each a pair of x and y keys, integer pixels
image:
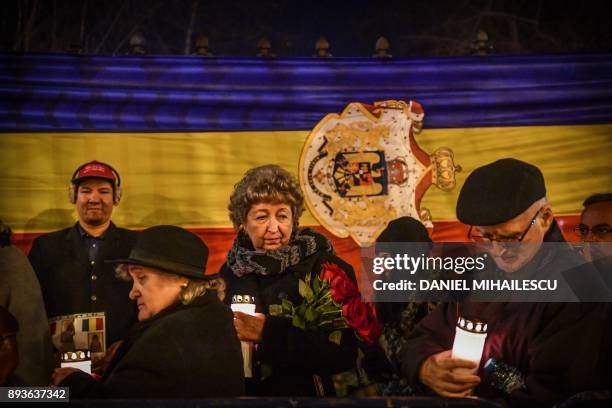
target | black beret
[
  {"x": 404, "y": 229},
  {"x": 499, "y": 191}
]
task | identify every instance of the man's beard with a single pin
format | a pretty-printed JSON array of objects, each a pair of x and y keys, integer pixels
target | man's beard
[
  {"x": 96, "y": 218},
  {"x": 95, "y": 221}
]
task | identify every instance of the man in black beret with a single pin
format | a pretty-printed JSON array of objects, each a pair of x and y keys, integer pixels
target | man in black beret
[
  {"x": 505, "y": 201},
  {"x": 505, "y": 204}
]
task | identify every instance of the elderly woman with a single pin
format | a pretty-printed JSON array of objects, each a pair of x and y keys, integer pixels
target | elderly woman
[
  {"x": 184, "y": 345},
  {"x": 268, "y": 258}
]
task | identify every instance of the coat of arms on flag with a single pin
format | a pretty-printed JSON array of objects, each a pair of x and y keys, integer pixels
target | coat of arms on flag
[{"x": 363, "y": 168}]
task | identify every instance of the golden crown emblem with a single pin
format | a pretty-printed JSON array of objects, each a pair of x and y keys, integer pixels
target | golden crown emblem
[{"x": 443, "y": 174}]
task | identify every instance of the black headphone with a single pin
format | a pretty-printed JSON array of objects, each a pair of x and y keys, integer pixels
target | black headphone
[{"x": 72, "y": 190}]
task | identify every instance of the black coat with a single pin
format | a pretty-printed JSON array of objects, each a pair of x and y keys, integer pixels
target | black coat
[
  {"x": 67, "y": 278},
  {"x": 293, "y": 355},
  {"x": 182, "y": 352}
]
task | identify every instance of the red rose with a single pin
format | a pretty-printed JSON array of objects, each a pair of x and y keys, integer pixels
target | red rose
[
  {"x": 330, "y": 270},
  {"x": 360, "y": 316},
  {"x": 341, "y": 286},
  {"x": 357, "y": 314},
  {"x": 343, "y": 290},
  {"x": 371, "y": 332}
]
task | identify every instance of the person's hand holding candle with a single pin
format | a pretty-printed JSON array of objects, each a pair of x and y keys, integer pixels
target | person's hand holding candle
[
  {"x": 249, "y": 327},
  {"x": 440, "y": 373}
]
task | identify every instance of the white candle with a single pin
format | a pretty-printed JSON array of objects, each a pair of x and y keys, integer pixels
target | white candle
[
  {"x": 244, "y": 308},
  {"x": 77, "y": 359},
  {"x": 245, "y": 304},
  {"x": 470, "y": 336}
]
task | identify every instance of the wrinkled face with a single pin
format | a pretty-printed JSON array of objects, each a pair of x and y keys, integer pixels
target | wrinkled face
[
  {"x": 152, "y": 290},
  {"x": 269, "y": 225},
  {"x": 94, "y": 201},
  {"x": 597, "y": 219},
  {"x": 510, "y": 256}
]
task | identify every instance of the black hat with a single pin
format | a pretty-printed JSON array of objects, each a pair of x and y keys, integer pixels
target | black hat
[
  {"x": 499, "y": 191},
  {"x": 404, "y": 229},
  {"x": 171, "y": 249}
]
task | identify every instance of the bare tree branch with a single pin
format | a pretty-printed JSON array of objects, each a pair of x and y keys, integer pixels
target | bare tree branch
[
  {"x": 18, "y": 35},
  {"x": 110, "y": 28},
  {"x": 509, "y": 16},
  {"x": 54, "y": 28},
  {"x": 82, "y": 29},
  {"x": 27, "y": 33},
  {"x": 514, "y": 34},
  {"x": 136, "y": 27},
  {"x": 189, "y": 32}
]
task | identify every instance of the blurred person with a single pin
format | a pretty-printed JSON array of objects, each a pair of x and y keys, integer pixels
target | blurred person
[
  {"x": 9, "y": 356},
  {"x": 268, "y": 258},
  {"x": 400, "y": 318},
  {"x": 185, "y": 344},
  {"x": 596, "y": 219},
  {"x": 595, "y": 232},
  {"x": 21, "y": 296},
  {"x": 70, "y": 263}
]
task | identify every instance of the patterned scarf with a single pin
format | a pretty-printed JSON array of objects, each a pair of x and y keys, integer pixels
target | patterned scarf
[{"x": 243, "y": 259}]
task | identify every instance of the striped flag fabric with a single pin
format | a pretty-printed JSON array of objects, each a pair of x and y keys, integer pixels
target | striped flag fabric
[{"x": 183, "y": 130}]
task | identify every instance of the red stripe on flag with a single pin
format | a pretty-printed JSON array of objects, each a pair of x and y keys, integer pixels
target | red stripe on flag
[
  {"x": 219, "y": 240},
  {"x": 99, "y": 324}
]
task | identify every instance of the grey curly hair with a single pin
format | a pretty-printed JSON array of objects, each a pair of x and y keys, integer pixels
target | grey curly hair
[{"x": 265, "y": 184}]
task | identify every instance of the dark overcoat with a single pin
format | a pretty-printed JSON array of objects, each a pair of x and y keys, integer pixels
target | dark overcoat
[
  {"x": 290, "y": 357},
  {"x": 182, "y": 352},
  {"x": 71, "y": 284}
]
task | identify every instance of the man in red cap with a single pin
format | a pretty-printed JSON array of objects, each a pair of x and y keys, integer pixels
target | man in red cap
[{"x": 70, "y": 263}]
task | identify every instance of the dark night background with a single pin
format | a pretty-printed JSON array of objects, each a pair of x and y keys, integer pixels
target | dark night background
[{"x": 413, "y": 28}]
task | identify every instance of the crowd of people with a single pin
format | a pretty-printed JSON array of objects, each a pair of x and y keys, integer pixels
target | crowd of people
[{"x": 171, "y": 332}]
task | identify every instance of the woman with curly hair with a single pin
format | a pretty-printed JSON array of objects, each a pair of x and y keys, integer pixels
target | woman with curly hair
[{"x": 268, "y": 258}]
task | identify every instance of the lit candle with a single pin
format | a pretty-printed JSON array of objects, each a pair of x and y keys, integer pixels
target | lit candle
[
  {"x": 80, "y": 359},
  {"x": 470, "y": 336},
  {"x": 245, "y": 304}
]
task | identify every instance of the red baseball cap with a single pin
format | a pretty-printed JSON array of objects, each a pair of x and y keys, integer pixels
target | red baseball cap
[{"x": 94, "y": 169}]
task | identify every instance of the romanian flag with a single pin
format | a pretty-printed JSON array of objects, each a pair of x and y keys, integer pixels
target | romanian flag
[
  {"x": 93, "y": 324},
  {"x": 182, "y": 131}
]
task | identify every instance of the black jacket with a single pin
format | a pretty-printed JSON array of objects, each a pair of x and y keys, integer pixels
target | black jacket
[
  {"x": 67, "y": 278},
  {"x": 182, "y": 352},
  {"x": 292, "y": 354}
]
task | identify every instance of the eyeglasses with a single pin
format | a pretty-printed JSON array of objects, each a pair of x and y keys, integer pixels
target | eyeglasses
[
  {"x": 501, "y": 239},
  {"x": 599, "y": 231}
]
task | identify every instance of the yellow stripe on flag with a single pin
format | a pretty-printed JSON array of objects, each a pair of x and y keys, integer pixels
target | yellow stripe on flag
[{"x": 186, "y": 178}]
